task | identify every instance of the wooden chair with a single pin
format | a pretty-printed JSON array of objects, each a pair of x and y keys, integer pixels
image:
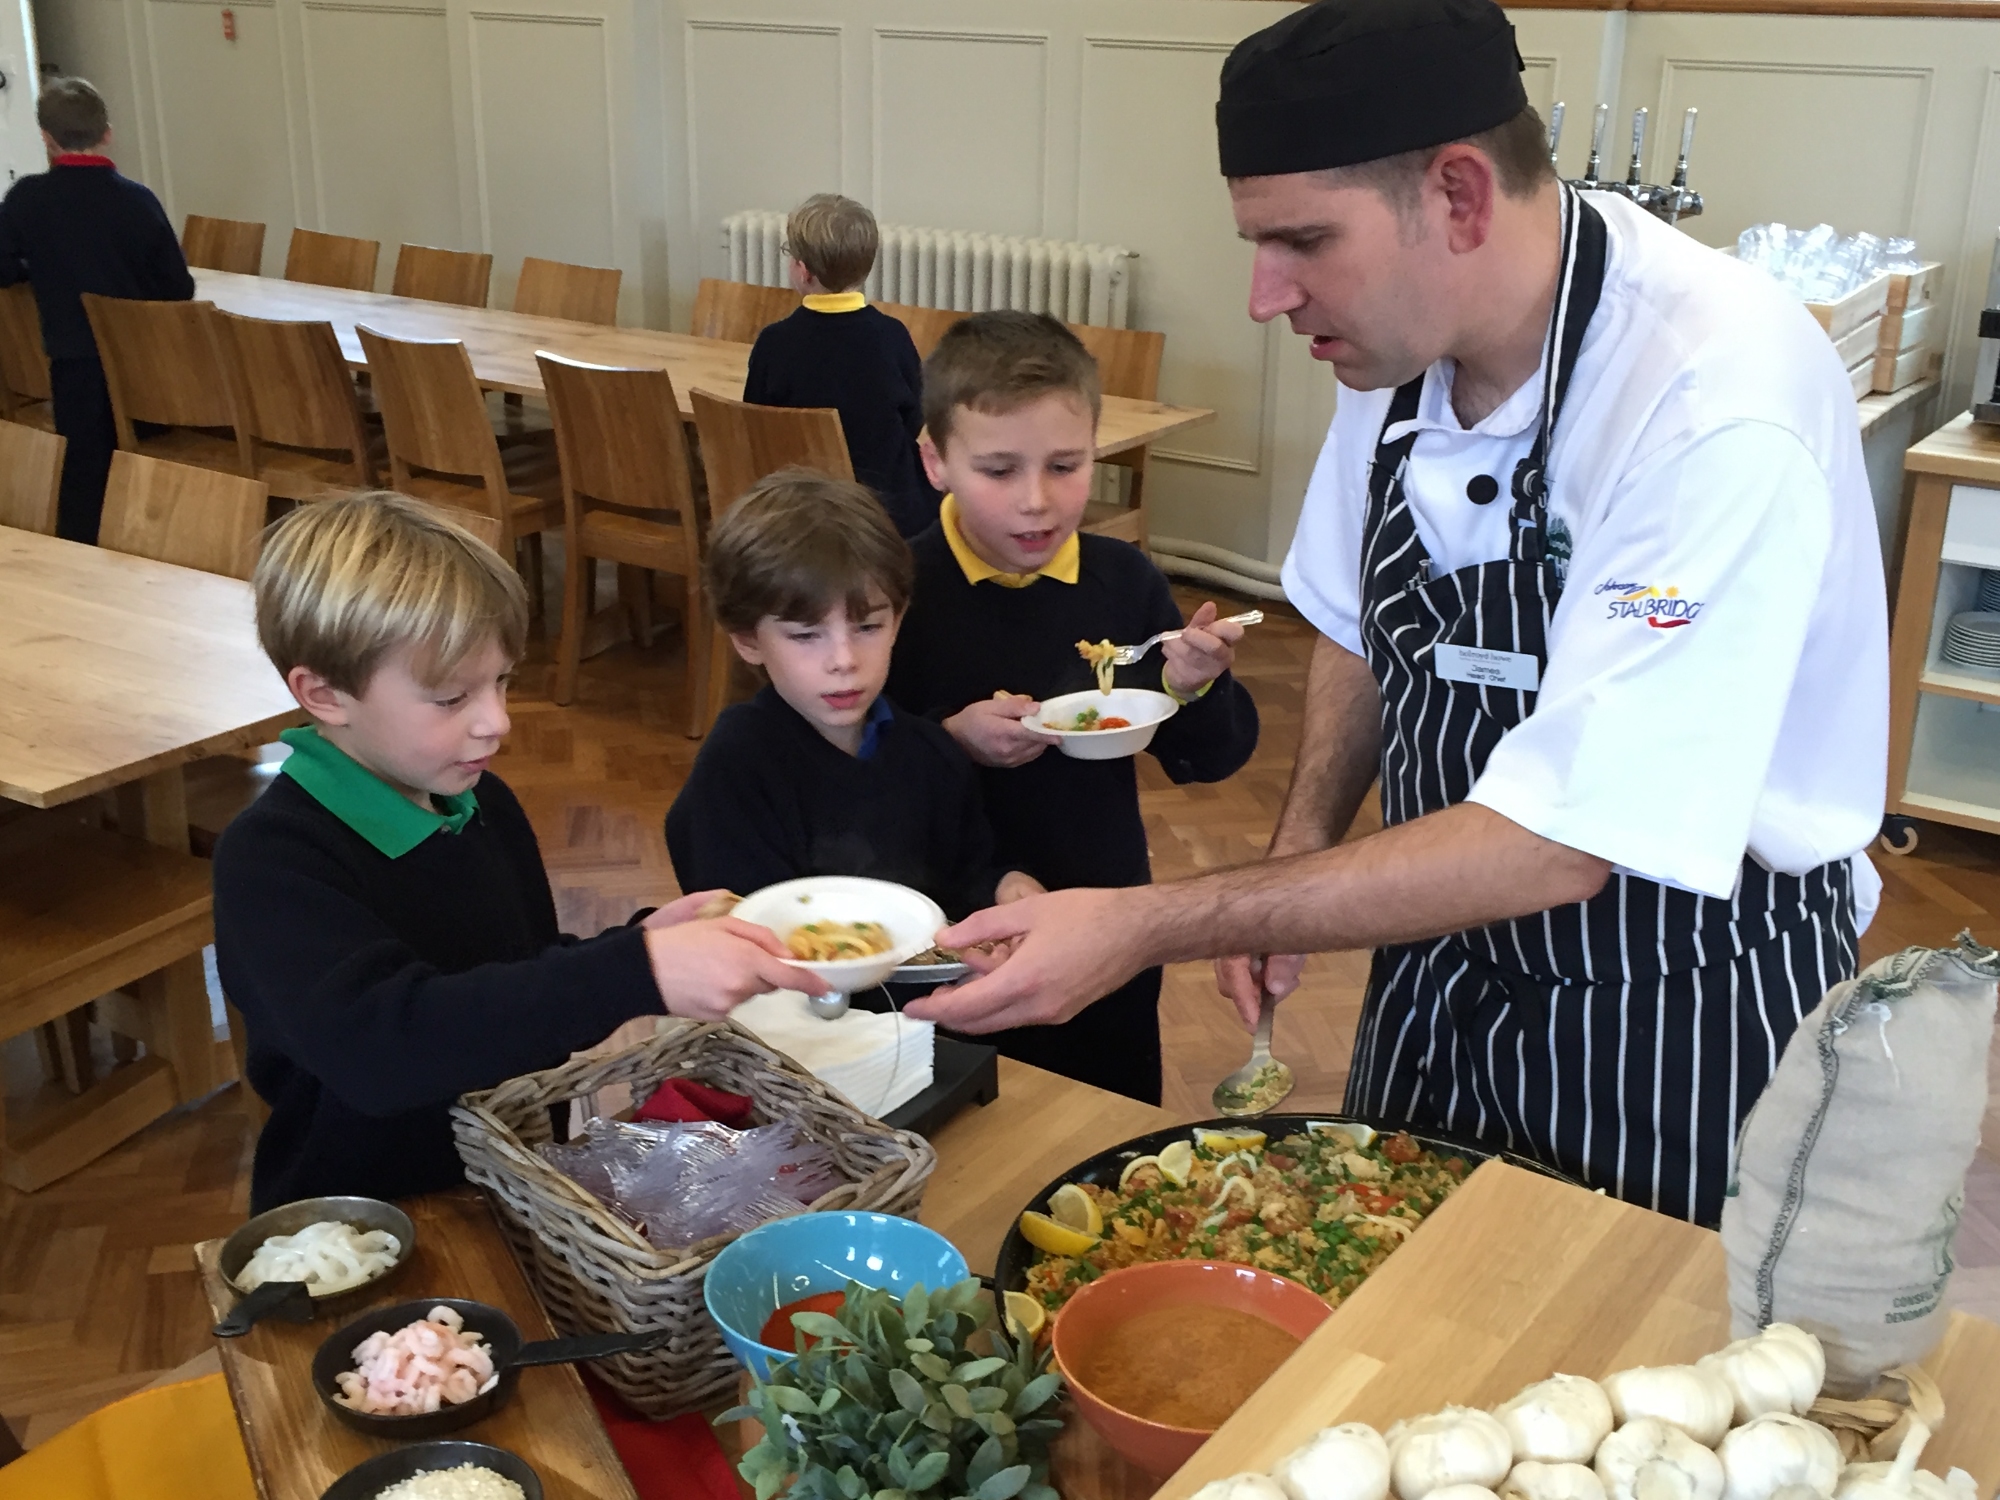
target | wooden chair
[
  {"x": 740, "y": 444},
  {"x": 442, "y": 448},
  {"x": 223, "y": 244},
  {"x": 332, "y": 260},
  {"x": 926, "y": 324},
  {"x": 296, "y": 407},
  {"x": 1128, "y": 364},
  {"x": 163, "y": 365},
  {"x": 434, "y": 275},
  {"x": 24, "y": 361},
  {"x": 738, "y": 311},
  {"x": 628, "y": 498},
  {"x": 176, "y": 513},
  {"x": 30, "y": 477},
  {"x": 556, "y": 289}
]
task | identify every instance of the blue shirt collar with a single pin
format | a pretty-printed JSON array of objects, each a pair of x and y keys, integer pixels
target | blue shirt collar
[{"x": 880, "y": 712}]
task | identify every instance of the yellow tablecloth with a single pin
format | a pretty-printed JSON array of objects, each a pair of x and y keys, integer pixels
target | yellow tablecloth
[{"x": 176, "y": 1443}]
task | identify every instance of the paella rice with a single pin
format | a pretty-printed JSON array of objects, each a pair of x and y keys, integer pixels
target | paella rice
[{"x": 1322, "y": 1208}]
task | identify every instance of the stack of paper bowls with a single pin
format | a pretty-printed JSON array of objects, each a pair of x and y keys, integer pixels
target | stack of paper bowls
[
  {"x": 1989, "y": 590},
  {"x": 1972, "y": 639}
]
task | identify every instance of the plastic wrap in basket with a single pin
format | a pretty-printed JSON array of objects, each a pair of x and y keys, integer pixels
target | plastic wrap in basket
[{"x": 596, "y": 1275}]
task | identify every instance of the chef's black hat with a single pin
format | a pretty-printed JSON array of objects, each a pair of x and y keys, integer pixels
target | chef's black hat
[{"x": 1346, "y": 81}]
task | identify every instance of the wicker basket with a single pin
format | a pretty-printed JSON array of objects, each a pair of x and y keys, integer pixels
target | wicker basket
[{"x": 595, "y": 1275}]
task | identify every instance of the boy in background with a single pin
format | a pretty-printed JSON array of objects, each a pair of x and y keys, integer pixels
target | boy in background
[
  {"x": 838, "y": 351},
  {"x": 819, "y": 774},
  {"x": 1005, "y": 588},
  {"x": 382, "y": 917},
  {"x": 82, "y": 227}
]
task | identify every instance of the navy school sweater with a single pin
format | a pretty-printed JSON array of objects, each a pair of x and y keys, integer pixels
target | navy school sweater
[
  {"x": 378, "y": 990},
  {"x": 862, "y": 364},
  {"x": 77, "y": 229},
  {"x": 1065, "y": 822},
  {"x": 771, "y": 799}
]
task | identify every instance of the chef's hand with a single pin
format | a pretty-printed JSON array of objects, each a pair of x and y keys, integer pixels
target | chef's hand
[
  {"x": 1237, "y": 978},
  {"x": 991, "y": 731},
  {"x": 1017, "y": 885},
  {"x": 705, "y": 969},
  {"x": 1206, "y": 649},
  {"x": 1063, "y": 950}
]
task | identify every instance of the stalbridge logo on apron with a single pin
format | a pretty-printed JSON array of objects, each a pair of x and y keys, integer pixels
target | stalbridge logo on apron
[{"x": 1661, "y": 608}]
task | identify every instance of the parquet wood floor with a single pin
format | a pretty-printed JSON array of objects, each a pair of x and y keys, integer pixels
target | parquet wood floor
[{"x": 97, "y": 1294}]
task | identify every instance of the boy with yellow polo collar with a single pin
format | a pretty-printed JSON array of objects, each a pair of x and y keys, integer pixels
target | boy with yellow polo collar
[
  {"x": 838, "y": 351},
  {"x": 1005, "y": 588}
]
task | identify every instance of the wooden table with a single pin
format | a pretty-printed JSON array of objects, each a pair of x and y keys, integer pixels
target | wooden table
[
  {"x": 297, "y": 1447},
  {"x": 116, "y": 671},
  {"x": 503, "y": 347}
]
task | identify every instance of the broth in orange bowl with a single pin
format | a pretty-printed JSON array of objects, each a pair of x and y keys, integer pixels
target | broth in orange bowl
[{"x": 1158, "y": 1356}]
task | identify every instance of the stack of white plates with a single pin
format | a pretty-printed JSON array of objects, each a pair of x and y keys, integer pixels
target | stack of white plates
[
  {"x": 1989, "y": 589},
  {"x": 1972, "y": 639}
]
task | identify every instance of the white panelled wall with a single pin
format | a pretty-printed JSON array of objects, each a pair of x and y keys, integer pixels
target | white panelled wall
[{"x": 621, "y": 132}]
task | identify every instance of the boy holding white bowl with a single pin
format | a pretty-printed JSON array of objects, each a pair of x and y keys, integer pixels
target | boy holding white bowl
[
  {"x": 819, "y": 774},
  {"x": 1005, "y": 588}
]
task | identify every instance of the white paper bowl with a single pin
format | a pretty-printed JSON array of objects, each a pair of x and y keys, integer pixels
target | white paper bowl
[
  {"x": 913, "y": 920},
  {"x": 1146, "y": 709}
]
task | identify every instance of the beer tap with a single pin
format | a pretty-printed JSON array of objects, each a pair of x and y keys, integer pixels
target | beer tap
[
  {"x": 1645, "y": 194},
  {"x": 1590, "y": 178},
  {"x": 1679, "y": 201},
  {"x": 1555, "y": 130}
]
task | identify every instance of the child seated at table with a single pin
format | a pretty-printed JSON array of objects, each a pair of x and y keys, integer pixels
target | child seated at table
[
  {"x": 83, "y": 227},
  {"x": 382, "y": 917},
  {"x": 838, "y": 351},
  {"x": 819, "y": 774},
  {"x": 1005, "y": 589}
]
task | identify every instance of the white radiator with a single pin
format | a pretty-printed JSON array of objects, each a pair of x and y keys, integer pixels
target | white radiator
[{"x": 955, "y": 269}]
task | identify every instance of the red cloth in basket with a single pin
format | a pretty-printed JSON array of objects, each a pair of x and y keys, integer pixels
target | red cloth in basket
[{"x": 682, "y": 1099}]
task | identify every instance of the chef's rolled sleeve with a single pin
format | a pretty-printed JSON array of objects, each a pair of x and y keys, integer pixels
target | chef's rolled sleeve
[{"x": 1671, "y": 660}]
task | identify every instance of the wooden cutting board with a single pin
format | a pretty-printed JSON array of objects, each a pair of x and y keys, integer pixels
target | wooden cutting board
[{"x": 1515, "y": 1278}]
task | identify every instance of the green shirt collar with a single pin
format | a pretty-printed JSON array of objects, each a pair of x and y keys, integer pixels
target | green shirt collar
[{"x": 364, "y": 801}]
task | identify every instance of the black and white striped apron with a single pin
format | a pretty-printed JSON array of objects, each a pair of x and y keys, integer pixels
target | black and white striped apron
[{"x": 1621, "y": 1039}]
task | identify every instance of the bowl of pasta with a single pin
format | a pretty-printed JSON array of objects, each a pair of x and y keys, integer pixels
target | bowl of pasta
[
  {"x": 1103, "y": 726},
  {"x": 848, "y": 932}
]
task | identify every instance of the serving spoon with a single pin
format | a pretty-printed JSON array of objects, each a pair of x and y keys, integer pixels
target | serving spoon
[{"x": 1262, "y": 1083}]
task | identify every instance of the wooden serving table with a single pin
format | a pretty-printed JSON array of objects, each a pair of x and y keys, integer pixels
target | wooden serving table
[
  {"x": 503, "y": 345},
  {"x": 297, "y": 1447},
  {"x": 116, "y": 671}
]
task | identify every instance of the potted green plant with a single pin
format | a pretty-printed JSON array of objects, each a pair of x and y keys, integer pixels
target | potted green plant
[{"x": 926, "y": 1397}]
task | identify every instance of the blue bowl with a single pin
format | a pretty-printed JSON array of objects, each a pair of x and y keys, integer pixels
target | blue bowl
[{"x": 795, "y": 1257}]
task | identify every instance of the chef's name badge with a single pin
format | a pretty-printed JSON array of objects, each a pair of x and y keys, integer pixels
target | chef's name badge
[{"x": 1483, "y": 668}]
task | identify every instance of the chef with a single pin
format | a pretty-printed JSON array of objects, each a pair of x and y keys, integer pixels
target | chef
[{"x": 1593, "y": 563}]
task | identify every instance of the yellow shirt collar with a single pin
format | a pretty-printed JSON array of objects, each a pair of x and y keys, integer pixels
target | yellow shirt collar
[
  {"x": 835, "y": 301},
  {"x": 1063, "y": 567}
]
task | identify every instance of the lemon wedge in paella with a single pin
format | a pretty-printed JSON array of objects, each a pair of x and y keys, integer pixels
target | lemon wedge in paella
[
  {"x": 1045, "y": 1233},
  {"x": 1176, "y": 1161},
  {"x": 1025, "y": 1315},
  {"x": 1223, "y": 1142},
  {"x": 1073, "y": 1208}
]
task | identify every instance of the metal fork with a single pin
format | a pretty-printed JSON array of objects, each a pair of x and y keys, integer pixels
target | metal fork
[{"x": 1126, "y": 655}]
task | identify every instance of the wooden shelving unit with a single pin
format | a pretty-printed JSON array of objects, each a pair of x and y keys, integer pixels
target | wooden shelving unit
[{"x": 1944, "y": 719}]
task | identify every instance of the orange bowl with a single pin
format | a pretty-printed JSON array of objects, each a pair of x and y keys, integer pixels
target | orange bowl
[{"x": 1105, "y": 1303}]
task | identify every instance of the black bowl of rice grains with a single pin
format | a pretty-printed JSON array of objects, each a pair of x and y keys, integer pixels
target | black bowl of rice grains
[{"x": 442, "y": 1469}]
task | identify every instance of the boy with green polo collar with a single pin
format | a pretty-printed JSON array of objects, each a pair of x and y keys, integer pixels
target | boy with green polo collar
[{"x": 382, "y": 917}]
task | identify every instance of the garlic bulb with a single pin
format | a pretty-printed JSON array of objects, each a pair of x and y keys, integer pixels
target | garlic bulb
[
  {"x": 1240, "y": 1487},
  {"x": 1462, "y": 1492},
  {"x": 1903, "y": 1480},
  {"x": 1775, "y": 1450},
  {"x": 1693, "y": 1399},
  {"x": 1455, "y": 1446},
  {"x": 1349, "y": 1462},
  {"x": 1558, "y": 1421},
  {"x": 1532, "y": 1480},
  {"x": 1780, "y": 1369},
  {"x": 1651, "y": 1459}
]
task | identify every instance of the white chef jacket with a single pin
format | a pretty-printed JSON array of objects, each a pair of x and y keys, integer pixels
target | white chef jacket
[{"x": 1717, "y": 677}]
